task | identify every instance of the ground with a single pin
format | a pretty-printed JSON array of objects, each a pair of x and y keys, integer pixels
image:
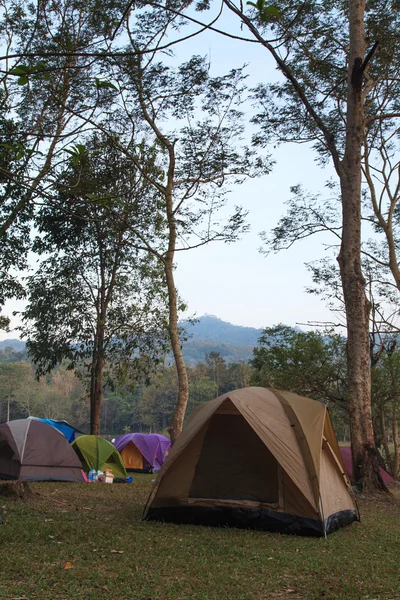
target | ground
[{"x": 87, "y": 541}]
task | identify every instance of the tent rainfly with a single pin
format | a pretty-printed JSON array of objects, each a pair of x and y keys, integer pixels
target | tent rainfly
[
  {"x": 97, "y": 453},
  {"x": 345, "y": 451},
  {"x": 34, "y": 451},
  {"x": 143, "y": 452},
  {"x": 257, "y": 458},
  {"x": 68, "y": 430}
]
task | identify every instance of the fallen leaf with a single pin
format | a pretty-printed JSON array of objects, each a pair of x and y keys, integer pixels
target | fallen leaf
[
  {"x": 117, "y": 551},
  {"x": 68, "y": 565},
  {"x": 270, "y": 558},
  {"x": 51, "y": 537},
  {"x": 289, "y": 591},
  {"x": 105, "y": 588},
  {"x": 48, "y": 520}
]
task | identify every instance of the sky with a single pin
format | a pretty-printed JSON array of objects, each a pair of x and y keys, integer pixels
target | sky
[{"x": 234, "y": 281}]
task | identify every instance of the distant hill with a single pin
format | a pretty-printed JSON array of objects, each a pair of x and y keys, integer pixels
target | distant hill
[
  {"x": 211, "y": 328},
  {"x": 211, "y": 334},
  {"x": 12, "y": 343},
  {"x": 208, "y": 334}
]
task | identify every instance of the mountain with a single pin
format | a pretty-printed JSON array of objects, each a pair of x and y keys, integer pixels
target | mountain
[
  {"x": 211, "y": 334},
  {"x": 213, "y": 329},
  {"x": 12, "y": 343},
  {"x": 208, "y": 334}
]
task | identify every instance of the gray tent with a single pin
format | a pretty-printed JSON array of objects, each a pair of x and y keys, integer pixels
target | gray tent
[{"x": 34, "y": 451}]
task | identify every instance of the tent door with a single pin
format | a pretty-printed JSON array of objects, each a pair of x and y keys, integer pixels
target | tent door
[
  {"x": 234, "y": 464},
  {"x": 132, "y": 457}
]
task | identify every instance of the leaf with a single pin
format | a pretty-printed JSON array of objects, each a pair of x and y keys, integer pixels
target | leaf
[
  {"x": 40, "y": 66},
  {"x": 104, "y": 84},
  {"x": 19, "y": 70},
  {"x": 268, "y": 12},
  {"x": 81, "y": 149},
  {"x": 68, "y": 565},
  {"x": 9, "y": 147},
  {"x": 265, "y": 12},
  {"x": 23, "y": 80},
  {"x": 117, "y": 551}
]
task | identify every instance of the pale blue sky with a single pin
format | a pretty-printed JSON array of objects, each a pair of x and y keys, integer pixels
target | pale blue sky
[{"x": 235, "y": 282}]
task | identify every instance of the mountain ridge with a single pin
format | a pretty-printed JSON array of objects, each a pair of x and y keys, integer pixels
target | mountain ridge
[{"x": 206, "y": 334}]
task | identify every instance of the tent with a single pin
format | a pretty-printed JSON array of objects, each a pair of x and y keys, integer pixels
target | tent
[
  {"x": 143, "y": 451},
  {"x": 96, "y": 453},
  {"x": 63, "y": 426},
  {"x": 256, "y": 458},
  {"x": 34, "y": 451},
  {"x": 345, "y": 451}
]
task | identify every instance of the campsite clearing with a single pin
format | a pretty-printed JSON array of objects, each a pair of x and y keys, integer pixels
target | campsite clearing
[{"x": 87, "y": 542}]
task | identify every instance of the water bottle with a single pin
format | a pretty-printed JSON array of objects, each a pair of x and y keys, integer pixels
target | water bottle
[{"x": 92, "y": 476}]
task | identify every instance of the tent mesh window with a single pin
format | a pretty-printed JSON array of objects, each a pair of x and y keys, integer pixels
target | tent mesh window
[{"x": 234, "y": 464}]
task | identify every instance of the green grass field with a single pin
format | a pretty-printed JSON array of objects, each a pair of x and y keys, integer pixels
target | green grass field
[{"x": 96, "y": 531}]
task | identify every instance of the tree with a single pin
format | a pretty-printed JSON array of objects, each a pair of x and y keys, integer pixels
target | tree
[
  {"x": 217, "y": 366},
  {"x": 96, "y": 299},
  {"x": 197, "y": 161},
  {"x": 386, "y": 398},
  {"x": 13, "y": 377},
  {"x": 312, "y": 364},
  {"x": 329, "y": 96},
  {"x": 156, "y": 112}
]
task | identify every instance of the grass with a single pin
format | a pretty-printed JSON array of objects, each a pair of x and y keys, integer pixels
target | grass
[{"x": 96, "y": 531}]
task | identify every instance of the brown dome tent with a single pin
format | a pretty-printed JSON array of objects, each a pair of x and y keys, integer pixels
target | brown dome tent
[
  {"x": 35, "y": 451},
  {"x": 258, "y": 458}
]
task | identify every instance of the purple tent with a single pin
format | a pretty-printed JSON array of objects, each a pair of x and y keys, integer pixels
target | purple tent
[
  {"x": 345, "y": 451},
  {"x": 143, "y": 451}
]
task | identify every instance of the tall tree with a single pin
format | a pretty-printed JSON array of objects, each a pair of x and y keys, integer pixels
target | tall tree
[
  {"x": 198, "y": 159},
  {"x": 329, "y": 96},
  {"x": 96, "y": 298}
]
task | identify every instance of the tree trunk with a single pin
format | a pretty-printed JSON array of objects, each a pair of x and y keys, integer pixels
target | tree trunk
[
  {"x": 183, "y": 385},
  {"x": 365, "y": 462},
  {"x": 96, "y": 390},
  {"x": 385, "y": 442},
  {"x": 396, "y": 442}
]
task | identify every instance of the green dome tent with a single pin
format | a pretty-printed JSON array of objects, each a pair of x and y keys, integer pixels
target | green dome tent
[{"x": 96, "y": 453}]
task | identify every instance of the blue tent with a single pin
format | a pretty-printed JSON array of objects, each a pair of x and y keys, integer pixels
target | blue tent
[{"x": 63, "y": 426}]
